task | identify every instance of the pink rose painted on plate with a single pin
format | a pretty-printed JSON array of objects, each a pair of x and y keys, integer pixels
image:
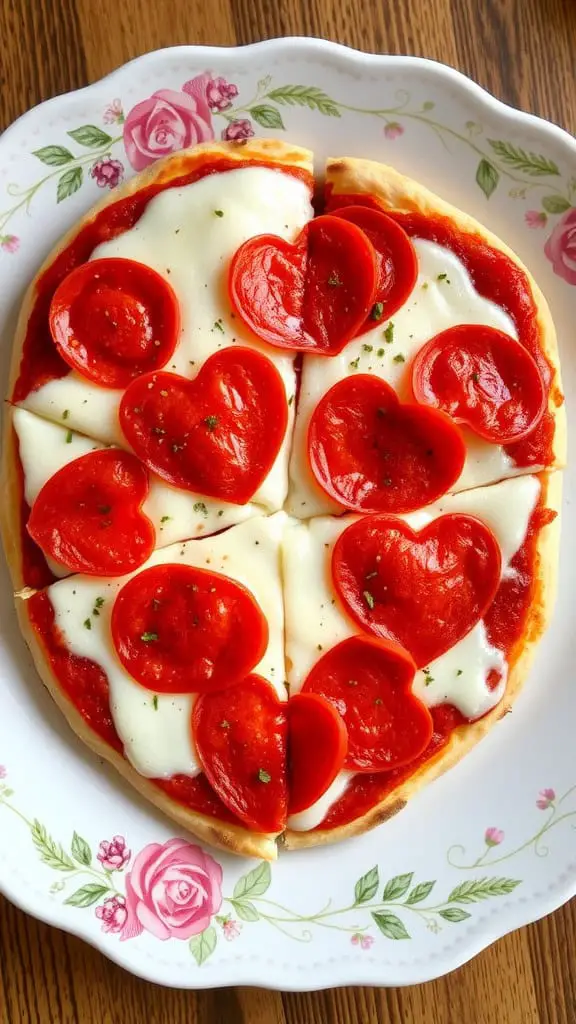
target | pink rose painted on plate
[
  {"x": 114, "y": 855},
  {"x": 546, "y": 798},
  {"x": 493, "y": 836},
  {"x": 393, "y": 130},
  {"x": 167, "y": 122},
  {"x": 561, "y": 247},
  {"x": 9, "y": 243},
  {"x": 240, "y": 129},
  {"x": 364, "y": 941},
  {"x": 231, "y": 928},
  {"x": 219, "y": 93},
  {"x": 113, "y": 113},
  {"x": 172, "y": 891},
  {"x": 107, "y": 173},
  {"x": 113, "y": 914},
  {"x": 3, "y": 772}
]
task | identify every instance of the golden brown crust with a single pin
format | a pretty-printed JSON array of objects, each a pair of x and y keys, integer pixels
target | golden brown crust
[
  {"x": 400, "y": 194},
  {"x": 11, "y": 504},
  {"x": 223, "y": 834},
  {"x": 467, "y": 736}
]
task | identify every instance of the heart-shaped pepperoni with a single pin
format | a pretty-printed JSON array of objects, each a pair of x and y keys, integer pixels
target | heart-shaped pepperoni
[
  {"x": 218, "y": 434},
  {"x": 424, "y": 590},
  {"x": 312, "y": 295},
  {"x": 114, "y": 319},
  {"x": 369, "y": 683},
  {"x": 317, "y": 745},
  {"x": 177, "y": 629},
  {"x": 481, "y": 377},
  {"x": 396, "y": 260},
  {"x": 240, "y": 735},
  {"x": 88, "y": 516},
  {"x": 372, "y": 454}
]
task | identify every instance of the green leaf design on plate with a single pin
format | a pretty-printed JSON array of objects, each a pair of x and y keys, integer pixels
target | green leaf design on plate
[
  {"x": 390, "y": 925},
  {"x": 482, "y": 889},
  {"x": 69, "y": 183},
  {"x": 367, "y": 886},
  {"x": 267, "y": 116},
  {"x": 419, "y": 893},
  {"x": 246, "y": 911},
  {"x": 254, "y": 883},
  {"x": 534, "y": 164},
  {"x": 555, "y": 204},
  {"x": 54, "y": 156},
  {"x": 396, "y": 887},
  {"x": 90, "y": 136},
  {"x": 487, "y": 177},
  {"x": 428, "y": 105},
  {"x": 202, "y": 946},
  {"x": 305, "y": 96},
  {"x": 87, "y": 895},
  {"x": 81, "y": 851},
  {"x": 454, "y": 914},
  {"x": 51, "y": 852}
]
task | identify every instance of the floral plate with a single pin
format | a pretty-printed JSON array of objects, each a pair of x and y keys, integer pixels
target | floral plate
[{"x": 490, "y": 846}]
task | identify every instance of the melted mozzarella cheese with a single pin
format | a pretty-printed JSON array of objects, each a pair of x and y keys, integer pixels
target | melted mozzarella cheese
[
  {"x": 180, "y": 236},
  {"x": 315, "y": 814},
  {"x": 158, "y": 741},
  {"x": 176, "y": 515},
  {"x": 316, "y": 621},
  {"x": 436, "y": 303}
]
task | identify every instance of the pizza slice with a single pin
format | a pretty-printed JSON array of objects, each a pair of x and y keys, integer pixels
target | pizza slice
[
  {"x": 420, "y": 629},
  {"x": 127, "y": 331},
  {"x": 73, "y": 504},
  {"x": 175, "y": 675},
  {"x": 451, "y": 304}
]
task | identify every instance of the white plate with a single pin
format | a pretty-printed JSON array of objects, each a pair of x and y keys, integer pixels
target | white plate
[{"x": 491, "y": 845}]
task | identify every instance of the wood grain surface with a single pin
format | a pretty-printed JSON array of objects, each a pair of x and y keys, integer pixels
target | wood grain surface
[{"x": 524, "y": 51}]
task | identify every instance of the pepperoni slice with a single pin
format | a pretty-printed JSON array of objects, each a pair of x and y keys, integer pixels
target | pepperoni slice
[
  {"x": 395, "y": 257},
  {"x": 218, "y": 434},
  {"x": 241, "y": 736},
  {"x": 313, "y": 295},
  {"x": 481, "y": 377},
  {"x": 88, "y": 516},
  {"x": 369, "y": 682},
  {"x": 177, "y": 629},
  {"x": 317, "y": 745},
  {"x": 424, "y": 590},
  {"x": 372, "y": 454},
  {"x": 114, "y": 319}
]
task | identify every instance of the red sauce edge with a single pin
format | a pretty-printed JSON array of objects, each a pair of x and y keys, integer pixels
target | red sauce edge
[
  {"x": 40, "y": 360},
  {"x": 505, "y": 622},
  {"x": 495, "y": 277}
]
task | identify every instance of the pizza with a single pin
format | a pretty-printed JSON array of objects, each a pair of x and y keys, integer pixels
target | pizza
[{"x": 282, "y": 477}]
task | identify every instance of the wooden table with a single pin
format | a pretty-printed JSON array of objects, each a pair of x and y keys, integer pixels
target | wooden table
[{"x": 524, "y": 51}]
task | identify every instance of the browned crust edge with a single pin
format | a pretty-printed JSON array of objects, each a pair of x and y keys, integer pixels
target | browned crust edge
[
  {"x": 466, "y": 737},
  {"x": 401, "y": 194}
]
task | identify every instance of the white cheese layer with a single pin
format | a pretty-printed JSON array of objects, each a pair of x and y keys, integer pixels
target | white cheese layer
[
  {"x": 182, "y": 237},
  {"x": 315, "y": 621},
  {"x": 443, "y": 297},
  {"x": 158, "y": 741},
  {"x": 46, "y": 447}
]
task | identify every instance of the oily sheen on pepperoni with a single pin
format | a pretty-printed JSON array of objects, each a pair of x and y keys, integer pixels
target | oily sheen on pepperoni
[
  {"x": 177, "y": 629},
  {"x": 311, "y": 295},
  {"x": 317, "y": 746},
  {"x": 369, "y": 683},
  {"x": 423, "y": 589},
  {"x": 241, "y": 739},
  {"x": 481, "y": 377},
  {"x": 218, "y": 434},
  {"x": 371, "y": 453},
  {"x": 113, "y": 319},
  {"x": 395, "y": 257},
  {"x": 88, "y": 516}
]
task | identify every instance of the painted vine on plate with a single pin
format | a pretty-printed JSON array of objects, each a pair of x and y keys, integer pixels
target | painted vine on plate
[
  {"x": 207, "y": 105},
  {"x": 173, "y": 890}
]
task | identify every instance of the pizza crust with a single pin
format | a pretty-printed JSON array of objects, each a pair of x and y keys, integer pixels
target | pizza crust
[
  {"x": 223, "y": 834},
  {"x": 11, "y": 505},
  {"x": 465, "y": 737},
  {"x": 401, "y": 194}
]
